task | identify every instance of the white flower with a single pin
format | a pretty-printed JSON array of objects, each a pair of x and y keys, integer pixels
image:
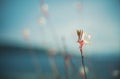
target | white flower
[
  {"x": 26, "y": 33},
  {"x": 44, "y": 7},
  {"x": 42, "y": 21},
  {"x": 86, "y": 37},
  {"x": 82, "y": 71}
]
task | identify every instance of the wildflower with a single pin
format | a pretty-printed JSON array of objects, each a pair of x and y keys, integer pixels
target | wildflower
[
  {"x": 44, "y": 7},
  {"x": 78, "y": 6},
  {"x": 26, "y": 34},
  {"x": 82, "y": 38},
  {"x": 42, "y": 21},
  {"x": 44, "y": 10}
]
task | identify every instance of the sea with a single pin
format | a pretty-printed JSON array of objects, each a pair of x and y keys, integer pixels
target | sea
[{"x": 19, "y": 63}]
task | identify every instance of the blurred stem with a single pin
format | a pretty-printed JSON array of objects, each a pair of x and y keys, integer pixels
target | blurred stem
[
  {"x": 66, "y": 68},
  {"x": 85, "y": 76},
  {"x": 65, "y": 57},
  {"x": 54, "y": 67}
]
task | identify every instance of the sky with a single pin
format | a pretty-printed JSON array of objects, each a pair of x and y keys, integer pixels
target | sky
[{"x": 99, "y": 18}]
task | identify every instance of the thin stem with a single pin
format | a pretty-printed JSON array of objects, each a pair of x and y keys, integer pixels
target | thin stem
[
  {"x": 65, "y": 58},
  {"x": 83, "y": 63},
  {"x": 66, "y": 68},
  {"x": 54, "y": 66}
]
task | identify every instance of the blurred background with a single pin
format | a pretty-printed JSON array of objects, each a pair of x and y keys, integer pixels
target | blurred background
[{"x": 38, "y": 39}]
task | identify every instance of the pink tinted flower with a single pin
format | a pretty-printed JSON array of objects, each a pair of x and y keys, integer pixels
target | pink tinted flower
[
  {"x": 81, "y": 42},
  {"x": 44, "y": 10},
  {"x": 80, "y": 36},
  {"x": 26, "y": 34}
]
